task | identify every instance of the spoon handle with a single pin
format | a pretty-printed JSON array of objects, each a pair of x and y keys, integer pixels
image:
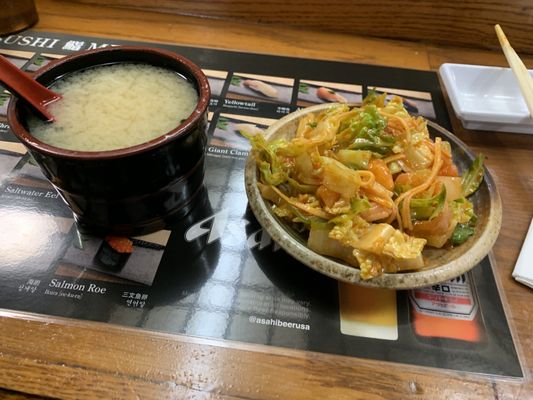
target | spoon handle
[{"x": 23, "y": 86}]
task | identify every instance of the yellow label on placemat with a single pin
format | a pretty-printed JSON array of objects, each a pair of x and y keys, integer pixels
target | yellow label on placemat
[{"x": 368, "y": 312}]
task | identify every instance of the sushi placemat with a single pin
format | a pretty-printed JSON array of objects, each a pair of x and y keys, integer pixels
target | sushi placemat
[{"x": 216, "y": 273}]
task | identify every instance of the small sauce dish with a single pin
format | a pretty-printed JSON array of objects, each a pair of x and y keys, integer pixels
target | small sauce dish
[{"x": 486, "y": 98}]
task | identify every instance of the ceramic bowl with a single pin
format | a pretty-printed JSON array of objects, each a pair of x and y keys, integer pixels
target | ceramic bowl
[
  {"x": 133, "y": 190},
  {"x": 441, "y": 264}
]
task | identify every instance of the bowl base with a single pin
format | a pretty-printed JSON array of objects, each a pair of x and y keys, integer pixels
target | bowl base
[{"x": 166, "y": 221}]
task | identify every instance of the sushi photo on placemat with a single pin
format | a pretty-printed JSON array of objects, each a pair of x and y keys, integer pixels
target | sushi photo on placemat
[
  {"x": 19, "y": 58},
  {"x": 216, "y": 80},
  {"x": 230, "y": 130},
  {"x": 26, "y": 173},
  {"x": 316, "y": 92},
  {"x": 4, "y": 102},
  {"x": 10, "y": 155},
  {"x": 40, "y": 60},
  {"x": 261, "y": 88},
  {"x": 135, "y": 259}
]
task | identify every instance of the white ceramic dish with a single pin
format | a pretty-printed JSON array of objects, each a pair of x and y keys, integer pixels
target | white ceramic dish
[{"x": 486, "y": 98}]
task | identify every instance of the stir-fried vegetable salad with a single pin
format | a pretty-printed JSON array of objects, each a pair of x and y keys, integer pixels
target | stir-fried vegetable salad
[{"x": 369, "y": 185}]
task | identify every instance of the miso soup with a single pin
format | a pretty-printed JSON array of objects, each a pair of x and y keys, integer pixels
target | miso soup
[{"x": 116, "y": 106}]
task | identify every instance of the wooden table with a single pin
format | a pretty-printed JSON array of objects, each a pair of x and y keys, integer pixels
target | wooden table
[{"x": 72, "y": 359}]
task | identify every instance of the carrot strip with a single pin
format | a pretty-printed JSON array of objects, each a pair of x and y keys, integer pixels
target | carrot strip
[
  {"x": 304, "y": 207},
  {"x": 402, "y": 122},
  {"x": 405, "y": 220}
]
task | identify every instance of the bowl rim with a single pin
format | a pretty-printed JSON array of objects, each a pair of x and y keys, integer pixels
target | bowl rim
[
  {"x": 343, "y": 272},
  {"x": 193, "y": 119}
]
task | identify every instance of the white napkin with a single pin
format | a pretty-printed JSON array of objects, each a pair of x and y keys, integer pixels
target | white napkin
[{"x": 523, "y": 270}]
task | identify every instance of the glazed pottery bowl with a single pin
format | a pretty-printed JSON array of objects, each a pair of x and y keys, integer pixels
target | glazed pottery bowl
[
  {"x": 440, "y": 264},
  {"x": 132, "y": 190}
]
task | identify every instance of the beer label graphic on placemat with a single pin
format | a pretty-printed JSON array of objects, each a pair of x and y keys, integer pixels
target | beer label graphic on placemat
[
  {"x": 448, "y": 310},
  {"x": 452, "y": 299},
  {"x": 368, "y": 312}
]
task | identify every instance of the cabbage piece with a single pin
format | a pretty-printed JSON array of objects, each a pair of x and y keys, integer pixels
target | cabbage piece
[
  {"x": 297, "y": 187},
  {"x": 327, "y": 197},
  {"x": 438, "y": 241},
  {"x": 284, "y": 211},
  {"x": 463, "y": 211},
  {"x": 326, "y": 130},
  {"x": 321, "y": 132},
  {"x": 354, "y": 207},
  {"x": 271, "y": 174},
  {"x": 370, "y": 265},
  {"x": 473, "y": 177},
  {"x": 375, "y": 99},
  {"x": 374, "y": 238},
  {"x": 427, "y": 209},
  {"x": 373, "y": 265},
  {"x": 339, "y": 178},
  {"x": 378, "y": 190},
  {"x": 273, "y": 169},
  {"x": 307, "y": 169},
  {"x": 396, "y": 106},
  {"x": 320, "y": 242},
  {"x": 453, "y": 187},
  {"x": 365, "y": 131},
  {"x": 306, "y": 203},
  {"x": 358, "y": 205},
  {"x": 446, "y": 148},
  {"x": 356, "y": 159},
  {"x": 268, "y": 193},
  {"x": 348, "y": 228},
  {"x": 295, "y": 147},
  {"x": 408, "y": 180},
  {"x": 402, "y": 246},
  {"x": 305, "y": 125},
  {"x": 370, "y": 135},
  {"x": 336, "y": 109},
  {"x": 378, "y": 239},
  {"x": 395, "y": 168},
  {"x": 309, "y": 221},
  {"x": 419, "y": 156},
  {"x": 376, "y": 212},
  {"x": 340, "y": 207},
  {"x": 405, "y": 264}
]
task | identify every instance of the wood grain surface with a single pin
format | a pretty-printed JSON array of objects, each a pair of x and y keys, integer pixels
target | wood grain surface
[
  {"x": 70, "y": 359},
  {"x": 465, "y": 23}
]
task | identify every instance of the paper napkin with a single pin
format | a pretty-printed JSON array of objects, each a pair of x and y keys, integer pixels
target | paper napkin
[{"x": 523, "y": 270}]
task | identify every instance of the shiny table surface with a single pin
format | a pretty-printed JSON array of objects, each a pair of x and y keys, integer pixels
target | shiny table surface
[{"x": 63, "y": 358}]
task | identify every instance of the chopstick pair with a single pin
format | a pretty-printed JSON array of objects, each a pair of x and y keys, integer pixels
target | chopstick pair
[{"x": 519, "y": 69}]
